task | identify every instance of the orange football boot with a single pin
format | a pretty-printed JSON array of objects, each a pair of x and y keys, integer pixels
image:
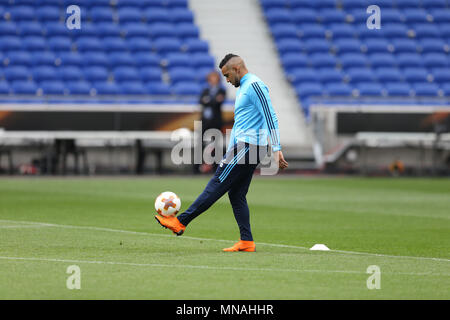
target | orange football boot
[
  {"x": 171, "y": 223},
  {"x": 241, "y": 245}
]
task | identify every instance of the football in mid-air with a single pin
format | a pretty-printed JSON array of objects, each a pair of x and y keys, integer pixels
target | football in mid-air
[{"x": 167, "y": 204}]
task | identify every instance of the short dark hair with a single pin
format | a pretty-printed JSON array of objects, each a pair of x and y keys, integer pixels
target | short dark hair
[{"x": 226, "y": 59}]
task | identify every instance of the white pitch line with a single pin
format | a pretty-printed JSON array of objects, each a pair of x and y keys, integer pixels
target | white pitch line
[
  {"x": 222, "y": 240},
  {"x": 205, "y": 267}
]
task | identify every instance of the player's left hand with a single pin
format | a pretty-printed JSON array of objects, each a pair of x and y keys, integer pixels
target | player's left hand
[{"x": 282, "y": 164}]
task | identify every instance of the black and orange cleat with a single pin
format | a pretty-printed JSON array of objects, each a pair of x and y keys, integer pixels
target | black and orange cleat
[
  {"x": 241, "y": 245},
  {"x": 171, "y": 223}
]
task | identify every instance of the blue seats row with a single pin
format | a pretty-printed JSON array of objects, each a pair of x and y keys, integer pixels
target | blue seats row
[
  {"x": 374, "y": 60},
  {"x": 394, "y": 89},
  {"x": 97, "y": 87},
  {"x": 141, "y": 4},
  {"x": 345, "y": 45},
  {"x": 318, "y": 4}
]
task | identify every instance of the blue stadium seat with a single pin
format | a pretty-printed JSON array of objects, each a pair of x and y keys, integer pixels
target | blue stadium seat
[
  {"x": 196, "y": 45},
  {"x": 330, "y": 75},
  {"x": 8, "y": 28},
  {"x": 147, "y": 59},
  {"x": 338, "y": 89},
  {"x": 404, "y": 45},
  {"x": 106, "y": 88},
  {"x": 415, "y": 15},
  {"x": 278, "y": 15},
  {"x": 132, "y": 30},
  {"x": 370, "y": 89},
  {"x": 107, "y": 29},
  {"x": 59, "y": 43},
  {"x": 174, "y": 60},
  {"x": 95, "y": 59},
  {"x": 360, "y": 75},
  {"x": 150, "y": 74},
  {"x": 139, "y": 44},
  {"x": 187, "y": 31},
  {"x": 382, "y": 60},
  {"x": 440, "y": 16},
  {"x": 434, "y": 45},
  {"x": 187, "y": 88},
  {"x": 434, "y": 4},
  {"x": 301, "y": 75},
  {"x": 320, "y": 4},
  {"x": 304, "y": 15},
  {"x": 354, "y": 4},
  {"x": 426, "y": 89},
  {"x": 158, "y": 88},
  {"x": 289, "y": 46},
  {"x": 446, "y": 89},
  {"x": 43, "y": 73},
  {"x": 427, "y": 30},
  {"x": 53, "y": 29},
  {"x": 98, "y": 14},
  {"x": 284, "y": 30},
  {"x": 121, "y": 59},
  {"x": 53, "y": 87},
  {"x": 398, "y": 89},
  {"x": 182, "y": 74},
  {"x": 47, "y": 13},
  {"x": 30, "y": 28},
  {"x": 177, "y": 3},
  {"x": 306, "y": 30},
  {"x": 132, "y": 88},
  {"x": 24, "y": 87},
  {"x": 95, "y": 73},
  {"x": 395, "y": 30},
  {"x": 317, "y": 45},
  {"x": 166, "y": 45},
  {"x": 342, "y": 31},
  {"x": 407, "y": 3},
  {"x": 392, "y": 16},
  {"x": 350, "y": 60},
  {"x": 129, "y": 14},
  {"x": 162, "y": 30},
  {"x": 89, "y": 44},
  {"x": 22, "y": 13},
  {"x": 34, "y": 43},
  {"x": 309, "y": 89},
  {"x": 388, "y": 74},
  {"x": 414, "y": 74},
  {"x": 294, "y": 60},
  {"x": 436, "y": 60},
  {"x": 182, "y": 15},
  {"x": 405, "y": 60},
  {"x": 18, "y": 58},
  {"x": 154, "y": 15},
  {"x": 342, "y": 46},
  {"x": 329, "y": 16},
  {"x": 44, "y": 58},
  {"x": 78, "y": 87},
  {"x": 114, "y": 44},
  {"x": 270, "y": 4},
  {"x": 130, "y": 3},
  {"x": 441, "y": 75},
  {"x": 70, "y": 59},
  {"x": 323, "y": 60},
  {"x": 377, "y": 45},
  {"x": 125, "y": 74},
  {"x": 4, "y": 87},
  {"x": 10, "y": 43},
  {"x": 70, "y": 73}
]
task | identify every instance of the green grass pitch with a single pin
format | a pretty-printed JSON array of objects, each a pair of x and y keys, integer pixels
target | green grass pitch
[{"x": 105, "y": 226}]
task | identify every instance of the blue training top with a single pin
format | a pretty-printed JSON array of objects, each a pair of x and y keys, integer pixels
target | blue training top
[{"x": 254, "y": 118}]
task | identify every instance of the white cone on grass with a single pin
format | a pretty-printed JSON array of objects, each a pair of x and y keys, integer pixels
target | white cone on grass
[{"x": 319, "y": 247}]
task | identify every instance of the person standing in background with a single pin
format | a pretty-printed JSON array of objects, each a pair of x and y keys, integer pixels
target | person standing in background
[{"x": 211, "y": 100}]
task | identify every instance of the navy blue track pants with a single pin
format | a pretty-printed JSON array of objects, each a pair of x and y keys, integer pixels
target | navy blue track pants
[{"x": 233, "y": 175}]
